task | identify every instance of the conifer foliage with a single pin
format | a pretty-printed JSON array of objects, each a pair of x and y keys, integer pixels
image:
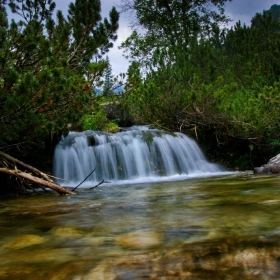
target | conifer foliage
[
  {"x": 50, "y": 63},
  {"x": 189, "y": 72}
]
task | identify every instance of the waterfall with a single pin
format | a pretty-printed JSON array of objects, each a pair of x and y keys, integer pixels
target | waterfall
[{"x": 128, "y": 155}]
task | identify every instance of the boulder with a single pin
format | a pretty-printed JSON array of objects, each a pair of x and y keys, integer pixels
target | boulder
[
  {"x": 115, "y": 111},
  {"x": 24, "y": 241},
  {"x": 139, "y": 239},
  {"x": 272, "y": 167}
]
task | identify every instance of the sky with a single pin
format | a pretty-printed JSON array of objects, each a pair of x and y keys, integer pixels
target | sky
[{"x": 242, "y": 10}]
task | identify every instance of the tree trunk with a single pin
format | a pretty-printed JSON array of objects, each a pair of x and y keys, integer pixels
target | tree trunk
[{"x": 8, "y": 165}]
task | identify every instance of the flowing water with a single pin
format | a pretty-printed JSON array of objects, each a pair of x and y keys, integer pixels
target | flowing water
[
  {"x": 136, "y": 154},
  {"x": 175, "y": 217},
  {"x": 225, "y": 227}
]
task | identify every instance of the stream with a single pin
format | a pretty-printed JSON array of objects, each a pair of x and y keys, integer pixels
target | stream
[{"x": 220, "y": 227}]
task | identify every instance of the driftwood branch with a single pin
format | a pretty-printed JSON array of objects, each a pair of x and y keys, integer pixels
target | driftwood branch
[
  {"x": 27, "y": 166},
  {"x": 8, "y": 165},
  {"x": 84, "y": 179},
  {"x": 97, "y": 185},
  {"x": 36, "y": 180}
]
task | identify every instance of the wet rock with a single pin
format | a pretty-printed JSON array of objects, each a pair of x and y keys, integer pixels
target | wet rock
[
  {"x": 139, "y": 239},
  {"x": 24, "y": 241},
  {"x": 66, "y": 232},
  {"x": 101, "y": 272},
  {"x": 115, "y": 110},
  {"x": 250, "y": 259},
  {"x": 272, "y": 167},
  {"x": 223, "y": 259}
]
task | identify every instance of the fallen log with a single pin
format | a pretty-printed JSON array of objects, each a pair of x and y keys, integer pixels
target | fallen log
[
  {"x": 36, "y": 180},
  {"x": 27, "y": 166},
  {"x": 8, "y": 165}
]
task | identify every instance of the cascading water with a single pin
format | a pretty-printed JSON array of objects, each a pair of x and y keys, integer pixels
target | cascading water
[{"x": 128, "y": 155}]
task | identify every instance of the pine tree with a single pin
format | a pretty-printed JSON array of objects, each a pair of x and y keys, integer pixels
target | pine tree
[
  {"x": 45, "y": 64},
  {"x": 108, "y": 79}
]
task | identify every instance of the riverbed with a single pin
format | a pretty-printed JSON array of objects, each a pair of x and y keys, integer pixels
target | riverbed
[{"x": 222, "y": 227}]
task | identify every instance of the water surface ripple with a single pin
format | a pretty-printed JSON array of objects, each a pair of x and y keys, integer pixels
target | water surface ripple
[{"x": 224, "y": 227}]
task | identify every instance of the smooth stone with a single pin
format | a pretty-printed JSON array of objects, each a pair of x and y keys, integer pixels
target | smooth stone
[
  {"x": 25, "y": 241},
  {"x": 139, "y": 239},
  {"x": 101, "y": 272},
  {"x": 66, "y": 232}
]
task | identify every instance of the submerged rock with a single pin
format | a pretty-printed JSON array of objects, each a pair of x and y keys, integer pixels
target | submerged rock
[
  {"x": 101, "y": 272},
  {"x": 272, "y": 167},
  {"x": 139, "y": 239},
  {"x": 25, "y": 241},
  {"x": 66, "y": 232},
  {"x": 228, "y": 258}
]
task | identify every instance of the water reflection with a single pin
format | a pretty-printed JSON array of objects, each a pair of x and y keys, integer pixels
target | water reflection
[{"x": 216, "y": 228}]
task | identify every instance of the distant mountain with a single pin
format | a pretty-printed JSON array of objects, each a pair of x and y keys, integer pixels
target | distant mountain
[
  {"x": 98, "y": 91},
  {"x": 275, "y": 11},
  {"x": 117, "y": 90}
]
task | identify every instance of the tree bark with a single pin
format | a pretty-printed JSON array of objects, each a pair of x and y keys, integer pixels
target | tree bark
[
  {"x": 36, "y": 180},
  {"x": 27, "y": 166},
  {"x": 9, "y": 166}
]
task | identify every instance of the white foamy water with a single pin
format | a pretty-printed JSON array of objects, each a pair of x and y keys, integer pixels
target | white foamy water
[{"x": 135, "y": 155}]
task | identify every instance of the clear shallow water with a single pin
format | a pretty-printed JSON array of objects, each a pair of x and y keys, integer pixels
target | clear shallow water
[{"x": 225, "y": 227}]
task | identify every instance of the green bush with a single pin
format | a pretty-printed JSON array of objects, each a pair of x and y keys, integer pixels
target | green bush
[
  {"x": 99, "y": 121},
  {"x": 95, "y": 122}
]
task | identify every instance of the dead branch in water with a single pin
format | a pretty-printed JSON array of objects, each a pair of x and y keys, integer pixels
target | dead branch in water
[
  {"x": 84, "y": 179},
  {"x": 27, "y": 166},
  {"x": 30, "y": 175},
  {"x": 98, "y": 184}
]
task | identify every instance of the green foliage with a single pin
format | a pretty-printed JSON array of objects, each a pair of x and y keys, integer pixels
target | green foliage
[
  {"x": 99, "y": 121},
  {"x": 108, "y": 79},
  {"x": 169, "y": 28},
  {"x": 95, "y": 122},
  {"x": 187, "y": 73},
  {"x": 275, "y": 11},
  {"x": 47, "y": 71},
  {"x": 111, "y": 127}
]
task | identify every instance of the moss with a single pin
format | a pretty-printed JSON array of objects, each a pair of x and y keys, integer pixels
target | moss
[{"x": 111, "y": 127}]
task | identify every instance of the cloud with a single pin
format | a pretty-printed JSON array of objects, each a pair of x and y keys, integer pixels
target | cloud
[
  {"x": 118, "y": 62},
  {"x": 242, "y": 10},
  {"x": 245, "y": 10}
]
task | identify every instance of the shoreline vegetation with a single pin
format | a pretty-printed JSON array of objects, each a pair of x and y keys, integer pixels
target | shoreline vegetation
[{"x": 218, "y": 85}]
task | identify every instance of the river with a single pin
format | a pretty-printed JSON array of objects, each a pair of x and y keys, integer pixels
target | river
[{"x": 222, "y": 227}]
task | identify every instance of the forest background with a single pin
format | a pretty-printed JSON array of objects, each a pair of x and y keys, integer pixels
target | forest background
[{"x": 187, "y": 72}]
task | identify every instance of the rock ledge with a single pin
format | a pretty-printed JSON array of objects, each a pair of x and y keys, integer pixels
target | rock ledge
[{"x": 272, "y": 167}]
